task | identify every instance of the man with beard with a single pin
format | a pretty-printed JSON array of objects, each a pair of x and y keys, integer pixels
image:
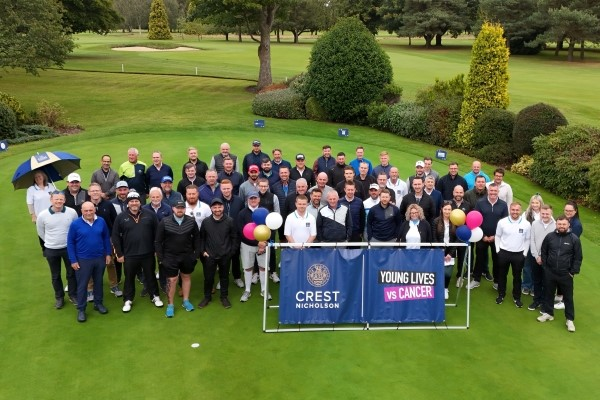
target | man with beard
[
  {"x": 231, "y": 175},
  {"x": 448, "y": 182},
  {"x": 382, "y": 184},
  {"x": 336, "y": 173},
  {"x": 322, "y": 186},
  {"x": 420, "y": 198},
  {"x": 278, "y": 162},
  {"x": 75, "y": 195},
  {"x": 315, "y": 202},
  {"x": 349, "y": 176},
  {"x": 200, "y": 166},
  {"x": 106, "y": 177},
  {"x": 325, "y": 162},
  {"x": 194, "y": 207},
  {"x": 170, "y": 196},
  {"x": 384, "y": 220},
  {"x": 133, "y": 240},
  {"x": 301, "y": 171},
  {"x": 177, "y": 244},
  {"x": 232, "y": 206},
  {"x": 478, "y": 192},
  {"x": 255, "y": 158},
  {"x": 357, "y": 211},
  {"x": 267, "y": 171}
]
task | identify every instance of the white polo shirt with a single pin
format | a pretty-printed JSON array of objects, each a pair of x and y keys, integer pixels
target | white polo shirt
[
  {"x": 300, "y": 227},
  {"x": 201, "y": 211}
]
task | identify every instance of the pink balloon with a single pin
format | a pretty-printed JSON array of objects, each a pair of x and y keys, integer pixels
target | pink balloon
[
  {"x": 248, "y": 230},
  {"x": 474, "y": 219}
]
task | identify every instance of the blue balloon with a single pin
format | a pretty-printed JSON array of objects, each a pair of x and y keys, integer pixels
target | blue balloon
[
  {"x": 463, "y": 233},
  {"x": 260, "y": 215}
]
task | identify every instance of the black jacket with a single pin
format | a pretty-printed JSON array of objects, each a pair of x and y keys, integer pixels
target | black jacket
[
  {"x": 173, "y": 241},
  {"x": 133, "y": 236},
  {"x": 561, "y": 253},
  {"x": 218, "y": 237},
  {"x": 424, "y": 229}
]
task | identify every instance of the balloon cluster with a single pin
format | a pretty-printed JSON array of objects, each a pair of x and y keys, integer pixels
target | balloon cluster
[
  {"x": 263, "y": 222},
  {"x": 468, "y": 226}
]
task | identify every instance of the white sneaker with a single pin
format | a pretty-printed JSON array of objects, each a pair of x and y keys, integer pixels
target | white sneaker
[
  {"x": 559, "y": 306},
  {"x": 446, "y": 294},
  {"x": 459, "y": 282},
  {"x": 545, "y": 317},
  {"x": 473, "y": 285},
  {"x": 245, "y": 297},
  {"x": 255, "y": 278},
  {"x": 218, "y": 286},
  {"x": 157, "y": 301},
  {"x": 275, "y": 277},
  {"x": 239, "y": 283},
  {"x": 127, "y": 306},
  {"x": 570, "y": 326},
  {"x": 262, "y": 294}
]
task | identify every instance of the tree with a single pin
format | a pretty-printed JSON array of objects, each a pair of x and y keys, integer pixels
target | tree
[
  {"x": 347, "y": 70},
  {"x": 367, "y": 11},
  {"x": 32, "y": 35},
  {"x": 158, "y": 24},
  {"x": 487, "y": 82},
  {"x": 300, "y": 16},
  {"x": 134, "y": 13},
  {"x": 96, "y": 16}
]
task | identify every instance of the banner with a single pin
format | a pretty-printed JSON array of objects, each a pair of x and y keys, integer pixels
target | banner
[
  {"x": 404, "y": 286},
  {"x": 320, "y": 286}
]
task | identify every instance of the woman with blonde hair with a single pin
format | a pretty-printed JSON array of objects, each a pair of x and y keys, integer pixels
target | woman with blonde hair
[
  {"x": 532, "y": 213},
  {"x": 415, "y": 229}
]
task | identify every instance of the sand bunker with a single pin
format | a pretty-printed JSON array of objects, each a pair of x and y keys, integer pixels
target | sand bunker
[{"x": 141, "y": 48}]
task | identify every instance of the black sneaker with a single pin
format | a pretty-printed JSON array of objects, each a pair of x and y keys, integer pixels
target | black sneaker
[
  {"x": 60, "y": 303},
  {"x": 204, "y": 302},
  {"x": 499, "y": 300},
  {"x": 488, "y": 277},
  {"x": 81, "y": 317},
  {"x": 533, "y": 306},
  {"x": 226, "y": 303},
  {"x": 518, "y": 303},
  {"x": 100, "y": 308}
]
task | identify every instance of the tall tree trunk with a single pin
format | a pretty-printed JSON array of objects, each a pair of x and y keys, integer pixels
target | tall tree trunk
[
  {"x": 267, "y": 16},
  {"x": 410, "y": 41},
  {"x": 278, "y": 36},
  {"x": 438, "y": 40},
  {"x": 296, "y": 34},
  {"x": 571, "y": 48},
  {"x": 582, "y": 52},
  {"x": 428, "y": 39},
  {"x": 239, "y": 33},
  {"x": 227, "y": 36}
]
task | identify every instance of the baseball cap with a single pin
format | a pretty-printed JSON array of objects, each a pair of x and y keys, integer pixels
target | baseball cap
[
  {"x": 256, "y": 143},
  {"x": 216, "y": 200},
  {"x": 133, "y": 195},
  {"x": 166, "y": 179},
  {"x": 74, "y": 176},
  {"x": 374, "y": 186},
  {"x": 299, "y": 156},
  {"x": 420, "y": 164},
  {"x": 253, "y": 168},
  {"x": 251, "y": 194},
  {"x": 121, "y": 184},
  {"x": 179, "y": 204}
]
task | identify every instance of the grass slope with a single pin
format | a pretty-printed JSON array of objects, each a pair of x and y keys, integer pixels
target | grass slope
[{"x": 142, "y": 355}]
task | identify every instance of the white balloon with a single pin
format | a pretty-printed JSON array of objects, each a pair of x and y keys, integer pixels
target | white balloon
[
  {"x": 476, "y": 235},
  {"x": 274, "y": 221}
]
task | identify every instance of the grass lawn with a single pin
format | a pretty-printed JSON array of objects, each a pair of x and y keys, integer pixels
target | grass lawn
[{"x": 142, "y": 355}]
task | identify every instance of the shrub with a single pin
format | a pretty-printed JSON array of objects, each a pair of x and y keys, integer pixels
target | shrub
[
  {"x": 562, "y": 160},
  {"x": 594, "y": 177},
  {"x": 523, "y": 166},
  {"x": 405, "y": 119},
  {"x": 452, "y": 88},
  {"x": 374, "y": 111},
  {"x": 498, "y": 154},
  {"x": 391, "y": 93},
  {"x": 15, "y": 105},
  {"x": 487, "y": 84},
  {"x": 347, "y": 70},
  {"x": 8, "y": 122},
  {"x": 533, "y": 121},
  {"x": 33, "y": 130},
  {"x": 442, "y": 120},
  {"x": 494, "y": 126},
  {"x": 158, "y": 24},
  {"x": 52, "y": 115},
  {"x": 298, "y": 83},
  {"x": 284, "y": 103},
  {"x": 314, "y": 110}
]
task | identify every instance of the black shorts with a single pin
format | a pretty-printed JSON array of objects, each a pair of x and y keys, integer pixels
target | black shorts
[{"x": 173, "y": 267}]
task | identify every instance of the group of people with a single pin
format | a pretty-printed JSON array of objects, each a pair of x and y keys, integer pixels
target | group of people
[{"x": 110, "y": 224}]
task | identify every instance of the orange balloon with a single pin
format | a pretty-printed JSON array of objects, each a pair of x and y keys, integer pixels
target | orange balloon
[
  {"x": 262, "y": 233},
  {"x": 457, "y": 217}
]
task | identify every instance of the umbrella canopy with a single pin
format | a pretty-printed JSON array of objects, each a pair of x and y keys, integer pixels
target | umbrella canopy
[{"x": 57, "y": 165}]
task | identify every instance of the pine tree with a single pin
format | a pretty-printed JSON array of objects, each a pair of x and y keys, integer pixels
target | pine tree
[
  {"x": 158, "y": 25},
  {"x": 487, "y": 83}
]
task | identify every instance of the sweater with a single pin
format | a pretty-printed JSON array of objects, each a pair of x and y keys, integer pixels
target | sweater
[{"x": 87, "y": 242}]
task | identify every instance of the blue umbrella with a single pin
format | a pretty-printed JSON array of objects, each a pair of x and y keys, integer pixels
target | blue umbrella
[{"x": 56, "y": 164}]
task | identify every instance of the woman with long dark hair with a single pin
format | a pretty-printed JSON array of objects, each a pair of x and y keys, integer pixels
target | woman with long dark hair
[{"x": 444, "y": 231}]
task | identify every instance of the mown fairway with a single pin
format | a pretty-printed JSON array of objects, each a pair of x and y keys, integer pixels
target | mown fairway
[{"x": 46, "y": 354}]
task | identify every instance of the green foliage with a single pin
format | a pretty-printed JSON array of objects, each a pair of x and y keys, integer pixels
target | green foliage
[
  {"x": 451, "y": 88},
  {"x": 32, "y": 133},
  {"x": 314, "y": 110},
  {"x": 32, "y": 35},
  {"x": 487, "y": 84},
  {"x": 8, "y": 122},
  {"x": 14, "y": 105},
  {"x": 347, "y": 70},
  {"x": 158, "y": 25},
  {"x": 50, "y": 114},
  {"x": 96, "y": 16},
  {"x": 284, "y": 103},
  {"x": 498, "y": 154},
  {"x": 391, "y": 93},
  {"x": 405, "y": 119},
  {"x": 533, "y": 121},
  {"x": 298, "y": 84},
  {"x": 594, "y": 178},
  {"x": 494, "y": 126},
  {"x": 562, "y": 160},
  {"x": 442, "y": 120},
  {"x": 523, "y": 166},
  {"x": 374, "y": 112}
]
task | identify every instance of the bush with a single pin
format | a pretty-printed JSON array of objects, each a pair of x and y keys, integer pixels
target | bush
[
  {"x": 347, "y": 70},
  {"x": 314, "y": 111},
  {"x": 494, "y": 126},
  {"x": 562, "y": 160},
  {"x": 453, "y": 88},
  {"x": 442, "y": 120},
  {"x": 533, "y": 121},
  {"x": 285, "y": 103},
  {"x": 33, "y": 130},
  {"x": 15, "y": 105},
  {"x": 523, "y": 166},
  {"x": 8, "y": 122},
  {"x": 594, "y": 177},
  {"x": 374, "y": 112},
  {"x": 405, "y": 119},
  {"x": 498, "y": 154},
  {"x": 391, "y": 93},
  {"x": 52, "y": 115},
  {"x": 158, "y": 24},
  {"x": 298, "y": 83}
]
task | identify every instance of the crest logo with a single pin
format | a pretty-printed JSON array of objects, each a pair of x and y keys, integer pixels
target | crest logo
[{"x": 318, "y": 275}]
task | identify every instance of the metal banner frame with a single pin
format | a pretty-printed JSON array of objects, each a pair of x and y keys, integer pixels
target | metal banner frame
[{"x": 371, "y": 326}]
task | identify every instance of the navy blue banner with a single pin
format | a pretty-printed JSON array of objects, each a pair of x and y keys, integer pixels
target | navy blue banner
[
  {"x": 320, "y": 286},
  {"x": 404, "y": 286}
]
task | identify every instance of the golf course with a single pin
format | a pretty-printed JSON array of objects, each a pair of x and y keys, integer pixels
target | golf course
[{"x": 170, "y": 100}]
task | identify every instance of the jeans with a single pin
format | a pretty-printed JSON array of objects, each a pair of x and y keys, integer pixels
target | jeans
[
  {"x": 54, "y": 257},
  {"x": 94, "y": 269},
  {"x": 527, "y": 274}
]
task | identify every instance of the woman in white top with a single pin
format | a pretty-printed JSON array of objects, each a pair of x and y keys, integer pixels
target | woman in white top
[
  {"x": 415, "y": 229},
  {"x": 38, "y": 196},
  {"x": 532, "y": 213}
]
